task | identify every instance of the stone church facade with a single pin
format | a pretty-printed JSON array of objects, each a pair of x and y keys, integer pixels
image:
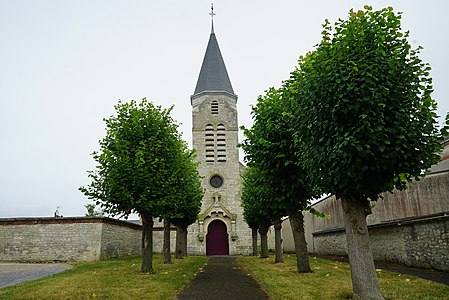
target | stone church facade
[{"x": 220, "y": 228}]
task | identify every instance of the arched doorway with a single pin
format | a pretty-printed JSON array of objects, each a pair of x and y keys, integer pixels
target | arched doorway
[{"x": 217, "y": 239}]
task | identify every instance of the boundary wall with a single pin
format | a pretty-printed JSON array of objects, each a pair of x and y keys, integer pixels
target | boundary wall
[
  {"x": 410, "y": 227},
  {"x": 67, "y": 239}
]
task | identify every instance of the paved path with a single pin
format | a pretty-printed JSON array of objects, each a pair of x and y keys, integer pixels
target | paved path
[
  {"x": 13, "y": 273},
  {"x": 223, "y": 279}
]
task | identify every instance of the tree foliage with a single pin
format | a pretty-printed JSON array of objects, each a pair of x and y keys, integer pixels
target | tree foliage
[
  {"x": 187, "y": 208},
  {"x": 254, "y": 203},
  {"x": 136, "y": 169},
  {"x": 92, "y": 212},
  {"x": 143, "y": 167},
  {"x": 276, "y": 181},
  {"x": 366, "y": 122},
  {"x": 254, "y": 198},
  {"x": 369, "y": 121},
  {"x": 186, "y": 203},
  {"x": 269, "y": 147}
]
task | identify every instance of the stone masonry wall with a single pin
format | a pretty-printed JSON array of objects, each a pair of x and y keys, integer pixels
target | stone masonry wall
[
  {"x": 409, "y": 227},
  {"x": 158, "y": 238},
  {"x": 418, "y": 243},
  {"x": 427, "y": 197},
  {"x": 66, "y": 239},
  {"x": 119, "y": 240},
  {"x": 427, "y": 244}
]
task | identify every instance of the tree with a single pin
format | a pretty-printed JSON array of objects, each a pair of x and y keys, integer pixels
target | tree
[
  {"x": 92, "y": 212},
  {"x": 255, "y": 208},
  {"x": 366, "y": 122},
  {"x": 185, "y": 201},
  {"x": 188, "y": 204},
  {"x": 445, "y": 126},
  {"x": 250, "y": 213},
  {"x": 137, "y": 166},
  {"x": 254, "y": 225},
  {"x": 191, "y": 209},
  {"x": 269, "y": 147}
]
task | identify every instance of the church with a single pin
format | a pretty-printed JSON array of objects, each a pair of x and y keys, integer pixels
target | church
[{"x": 220, "y": 228}]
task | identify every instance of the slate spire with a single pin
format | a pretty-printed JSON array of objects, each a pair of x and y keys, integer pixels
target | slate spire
[{"x": 213, "y": 74}]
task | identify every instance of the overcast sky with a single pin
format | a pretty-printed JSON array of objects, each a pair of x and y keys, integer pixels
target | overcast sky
[{"x": 64, "y": 64}]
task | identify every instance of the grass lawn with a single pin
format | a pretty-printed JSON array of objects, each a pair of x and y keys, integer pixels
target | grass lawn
[
  {"x": 332, "y": 280},
  {"x": 122, "y": 279},
  {"x": 111, "y": 279}
]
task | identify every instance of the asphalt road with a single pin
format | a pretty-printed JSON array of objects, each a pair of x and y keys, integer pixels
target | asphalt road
[{"x": 13, "y": 273}]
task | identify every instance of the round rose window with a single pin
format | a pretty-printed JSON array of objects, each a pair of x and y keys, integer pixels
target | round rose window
[{"x": 216, "y": 181}]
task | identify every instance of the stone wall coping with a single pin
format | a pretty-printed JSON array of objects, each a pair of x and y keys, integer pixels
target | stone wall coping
[
  {"x": 66, "y": 220},
  {"x": 392, "y": 223}
]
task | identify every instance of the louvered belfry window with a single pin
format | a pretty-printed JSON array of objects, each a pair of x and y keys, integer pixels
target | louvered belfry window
[
  {"x": 221, "y": 143},
  {"x": 210, "y": 143},
  {"x": 214, "y": 107},
  {"x": 215, "y": 142}
]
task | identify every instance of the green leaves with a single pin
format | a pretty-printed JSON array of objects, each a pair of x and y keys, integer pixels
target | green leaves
[
  {"x": 143, "y": 165},
  {"x": 275, "y": 180},
  {"x": 367, "y": 120},
  {"x": 445, "y": 128}
]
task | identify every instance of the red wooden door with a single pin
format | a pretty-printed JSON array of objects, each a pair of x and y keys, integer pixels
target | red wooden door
[{"x": 217, "y": 239}]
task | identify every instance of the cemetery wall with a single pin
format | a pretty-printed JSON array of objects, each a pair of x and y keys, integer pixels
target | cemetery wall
[
  {"x": 67, "y": 239},
  {"x": 409, "y": 227},
  {"x": 420, "y": 243}
]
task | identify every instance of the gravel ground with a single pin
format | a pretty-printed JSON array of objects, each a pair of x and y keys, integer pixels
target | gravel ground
[{"x": 13, "y": 273}]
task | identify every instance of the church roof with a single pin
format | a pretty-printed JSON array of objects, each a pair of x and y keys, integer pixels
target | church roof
[{"x": 213, "y": 74}]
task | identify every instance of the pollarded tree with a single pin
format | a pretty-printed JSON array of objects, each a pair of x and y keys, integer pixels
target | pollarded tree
[
  {"x": 184, "y": 204},
  {"x": 270, "y": 147},
  {"x": 255, "y": 205},
  {"x": 137, "y": 170},
  {"x": 368, "y": 122},
  {"x": 189, "y": 204},
  {"x": 254, "y": 225}
]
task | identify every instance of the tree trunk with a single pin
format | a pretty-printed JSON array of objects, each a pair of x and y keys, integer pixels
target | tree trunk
[
  {"x": 184, "y": 239},
  {"x": 299, "y": 238},
  {"x": 178, "y": 245},
  {"x": 147, "y": 250},
  {"x": 166, "y": 246},
  {"x": 278, "y": 241},
  {"x": 363, "y": 271},
  {"x": 263, "y": 230},
  {"x": 254, "y": 235},
  {"x": 181, "y": 242}
]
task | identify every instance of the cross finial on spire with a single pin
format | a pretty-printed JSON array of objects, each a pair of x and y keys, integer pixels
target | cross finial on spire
[{"x": 212, "y": 14}]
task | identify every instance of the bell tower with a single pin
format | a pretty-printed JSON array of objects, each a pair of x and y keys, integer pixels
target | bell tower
[{"x": 220, "y": 228}]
